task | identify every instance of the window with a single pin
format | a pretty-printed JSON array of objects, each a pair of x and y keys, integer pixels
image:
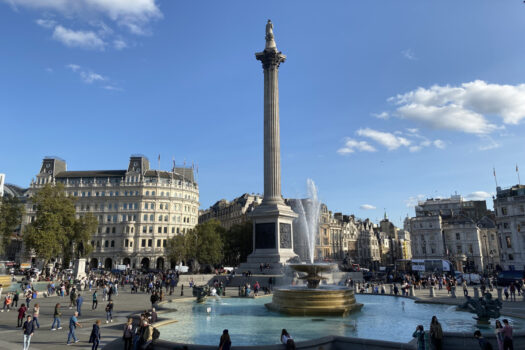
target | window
[
  {"x": 166, "y": 218},
  {"x": 152, "y": 193},
  {"x": 504, "y": 210},
  {"x": 470, "y": 249},
  {"x": 458, "y": 236},
  {"x": 112, "y": 244},
  {"x": 158, "y": 242},
  {"x": 108, "y": 230},
  {"x": 143, "y": 243},
  {"x": 511, "y": 257},
  {"x": 144, "y": 229},
  {"x": 505, "y": 225},
  {"x": 114, "y": 230},
  {"x": 458, "y": 249},
  {"x": 147, "y": 193},
  {"x": 159, "y": 229},
  {"x": 160, "y": 217},
  {"x": 151, "y": 229},
  {"x": 99, "y": 230},
  {"x": 164, "y": 242},
  {"x": 109, "y": 218},
  {"x": 161, "y": 206},
  {"x": 151, "y": 218},
  {"x": 150, "y": 242},
  {"x": 131, "y": 243},
  {"x": 173, "y": 230},
  {"x": 106, "y": 244},
  {"x": 509, "y": 242},
  {"x": 165, "y": 229},
  {"x": 145, "y": 217}
]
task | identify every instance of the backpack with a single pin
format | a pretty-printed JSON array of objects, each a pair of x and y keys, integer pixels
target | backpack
[{"x": 156, "y": 334}]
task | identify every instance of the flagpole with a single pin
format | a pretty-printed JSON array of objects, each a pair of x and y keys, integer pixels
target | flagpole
[
  {"x": 495, "y": 179},
  {"x": 518, "y": 172}
]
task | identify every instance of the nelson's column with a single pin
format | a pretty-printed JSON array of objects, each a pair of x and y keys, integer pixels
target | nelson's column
[{"x": 272, "y": 220}]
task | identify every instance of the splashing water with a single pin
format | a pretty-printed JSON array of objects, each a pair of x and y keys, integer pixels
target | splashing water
[{"x": 308, "y": 220}]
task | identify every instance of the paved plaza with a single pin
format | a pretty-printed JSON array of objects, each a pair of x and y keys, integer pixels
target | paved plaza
[{"x": 127, "y": 304}]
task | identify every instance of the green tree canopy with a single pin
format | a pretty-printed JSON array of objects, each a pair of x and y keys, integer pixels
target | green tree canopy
[
  {"x": 238, "y": 243},
  {"x": 56, "y": 231},
  {"x": 11, "y": 212}
]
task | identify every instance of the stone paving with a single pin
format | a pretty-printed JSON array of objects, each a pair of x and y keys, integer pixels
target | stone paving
[{"x": 127, "y": 304}]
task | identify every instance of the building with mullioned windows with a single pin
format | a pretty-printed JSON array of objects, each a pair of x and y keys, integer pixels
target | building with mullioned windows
[{"x": 138, "y": 209}]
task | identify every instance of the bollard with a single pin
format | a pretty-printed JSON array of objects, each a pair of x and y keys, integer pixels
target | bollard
[
  {"x": 432, "y": 292},
  {"x": 391, "y": 289},
  {"x": 476, "y": 292},
  {"x": 500, "y": 294},
  {"x": 182, "y": 290},
  {"x": 412, "y": 291},
  {"x": 453, "y": 291}
]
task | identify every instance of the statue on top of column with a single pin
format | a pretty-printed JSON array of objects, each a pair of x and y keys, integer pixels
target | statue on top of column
[{"x": 270, "y": 42}]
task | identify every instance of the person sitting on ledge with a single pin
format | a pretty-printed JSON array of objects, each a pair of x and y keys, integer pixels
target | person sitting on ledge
[
  {"x": 483, "y": 343},
  {"x": 287, "y": 340}
]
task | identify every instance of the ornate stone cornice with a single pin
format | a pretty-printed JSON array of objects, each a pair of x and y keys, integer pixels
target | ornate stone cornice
[{"x": 270, "y": 58}]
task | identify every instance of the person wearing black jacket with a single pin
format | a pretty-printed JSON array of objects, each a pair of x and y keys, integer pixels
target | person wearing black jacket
[
  {"x": 29, "y": 330},
  {"x": 95, "y": 335}
]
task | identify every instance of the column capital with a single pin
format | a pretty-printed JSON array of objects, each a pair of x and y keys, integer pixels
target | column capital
[{"x": 270, "y": 58}]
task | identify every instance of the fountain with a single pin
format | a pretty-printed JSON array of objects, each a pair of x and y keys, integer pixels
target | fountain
[{"x": 312, "y": 299}]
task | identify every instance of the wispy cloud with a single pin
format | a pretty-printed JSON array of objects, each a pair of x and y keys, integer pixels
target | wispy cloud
[
  {"x": 382, "y": 115},
  {"x": 409, "y": 54},
  {"x": 478, "y": 196},
  {"x": 465, "y": 108},
  {"x": 90, "y": 28},
  {"x": 412, "y": 201},
  {"x": 82, "y": 39},
  {"x": 352, "y": 145},
  {"x": 389, "y": 140},
  {"x": 367, "y": 207},
  {"x": 90, "y": 77}
]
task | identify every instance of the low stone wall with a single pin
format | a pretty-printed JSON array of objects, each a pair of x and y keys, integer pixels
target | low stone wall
[{"x": 451, "y": 341}]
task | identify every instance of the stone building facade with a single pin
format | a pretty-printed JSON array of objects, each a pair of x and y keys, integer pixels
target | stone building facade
[
  {"x": 509, "y": 208},
  {"x": 456, "y": 230},
  {"x": 231, "y": 213},
  {"x": 138, "y": 209}
]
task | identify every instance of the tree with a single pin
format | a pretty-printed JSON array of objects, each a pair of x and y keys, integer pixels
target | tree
[
  {"x": 203, "y": 243},
  {"x": 54, "y": 225},
  {"x": 238, "y": 243},
  {"x": 177, "y": 249},
  {"x": 79, "y": 243},
  {"x": 11, "y": 212}
]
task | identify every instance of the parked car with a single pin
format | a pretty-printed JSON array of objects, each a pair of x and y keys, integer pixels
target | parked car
[{"x": 507, "y": 277}]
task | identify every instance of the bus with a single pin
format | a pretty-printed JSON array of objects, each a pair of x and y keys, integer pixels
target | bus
[{"x": 431, "y": 266}]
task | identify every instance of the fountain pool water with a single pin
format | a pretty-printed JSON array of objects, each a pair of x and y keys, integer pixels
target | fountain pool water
[{"x": 251, "y": 323}]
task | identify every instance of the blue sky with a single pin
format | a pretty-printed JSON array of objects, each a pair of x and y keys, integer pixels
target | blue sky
[{"x": 382, "y": 102}]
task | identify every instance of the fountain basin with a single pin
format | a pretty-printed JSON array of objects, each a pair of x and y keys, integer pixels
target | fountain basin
[{"x": 301, "y": 301}]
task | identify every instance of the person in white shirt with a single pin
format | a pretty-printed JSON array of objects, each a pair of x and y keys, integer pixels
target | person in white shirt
[{"x": 287, "y": 340}]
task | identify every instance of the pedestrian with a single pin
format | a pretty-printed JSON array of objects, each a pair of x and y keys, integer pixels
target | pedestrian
[
  {"x": 419, "y": 334},
  {"x": 56, "y": 318},
  {"x": 499, "y": 334},
  {"x": 153, "y": 316},
  {"x": 147, "y": 336},
  {"x": 36, "y": 314},
  {"x": 95, "y": 301},
  {"x": 29, "y": 330},
  {"x": 483, "y": 343},
  {"x": 287, "y": 340},
  {"x": 508, "y": 342},
  {"x": 465, "y": 288},
  {"x": 16, "y": 297},
  {"x": 109, "y": 312},
  {"x": 154, "y": 298},
  {"x": 512, "y": 292},
  {"x": 225, "y": 342},
  {"x": 72, "y": 298},
  {"x": 128, "y": 334},
  {"x": 28, "y": 298},
  {"x": 21, "y": 314},
  {"x": 506, "y": 292},
  {"x": 95, "y": 335},
  {"x": 73, "y": 324},
  {"x": 80, "y": 300},
  {"x": 7, "y": 302},
  {"x": 436, "y": 334}
]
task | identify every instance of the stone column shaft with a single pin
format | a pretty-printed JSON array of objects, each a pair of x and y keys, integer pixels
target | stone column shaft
[{"x": 272, "y": 143}]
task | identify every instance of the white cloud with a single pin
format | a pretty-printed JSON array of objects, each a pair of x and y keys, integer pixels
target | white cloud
[
  {"x": 132, "y": 16},
  {"x": 478, "y": 196},
  {"x": 409, "y": 54},
  {"x": 464, "y": 108},
  {"x": 488, "y": 143},
  {"x": 415, "y": 148},
  {"x": 119, "y": 44},
  {"x": 382, "y": 115},
  {"x": 46, "y": 23},
  {"x": 83, "y": 39},
  {"x": 413, "y": 131},
  {"x": 439, "y": 144},
  {"x": 367, "y": 207},
  {"x": 352, "y": 145},
  {"x": 412, "y": 201},
  {"x": 389, "y": 140},
  {"x": 90, "y": 77}
]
